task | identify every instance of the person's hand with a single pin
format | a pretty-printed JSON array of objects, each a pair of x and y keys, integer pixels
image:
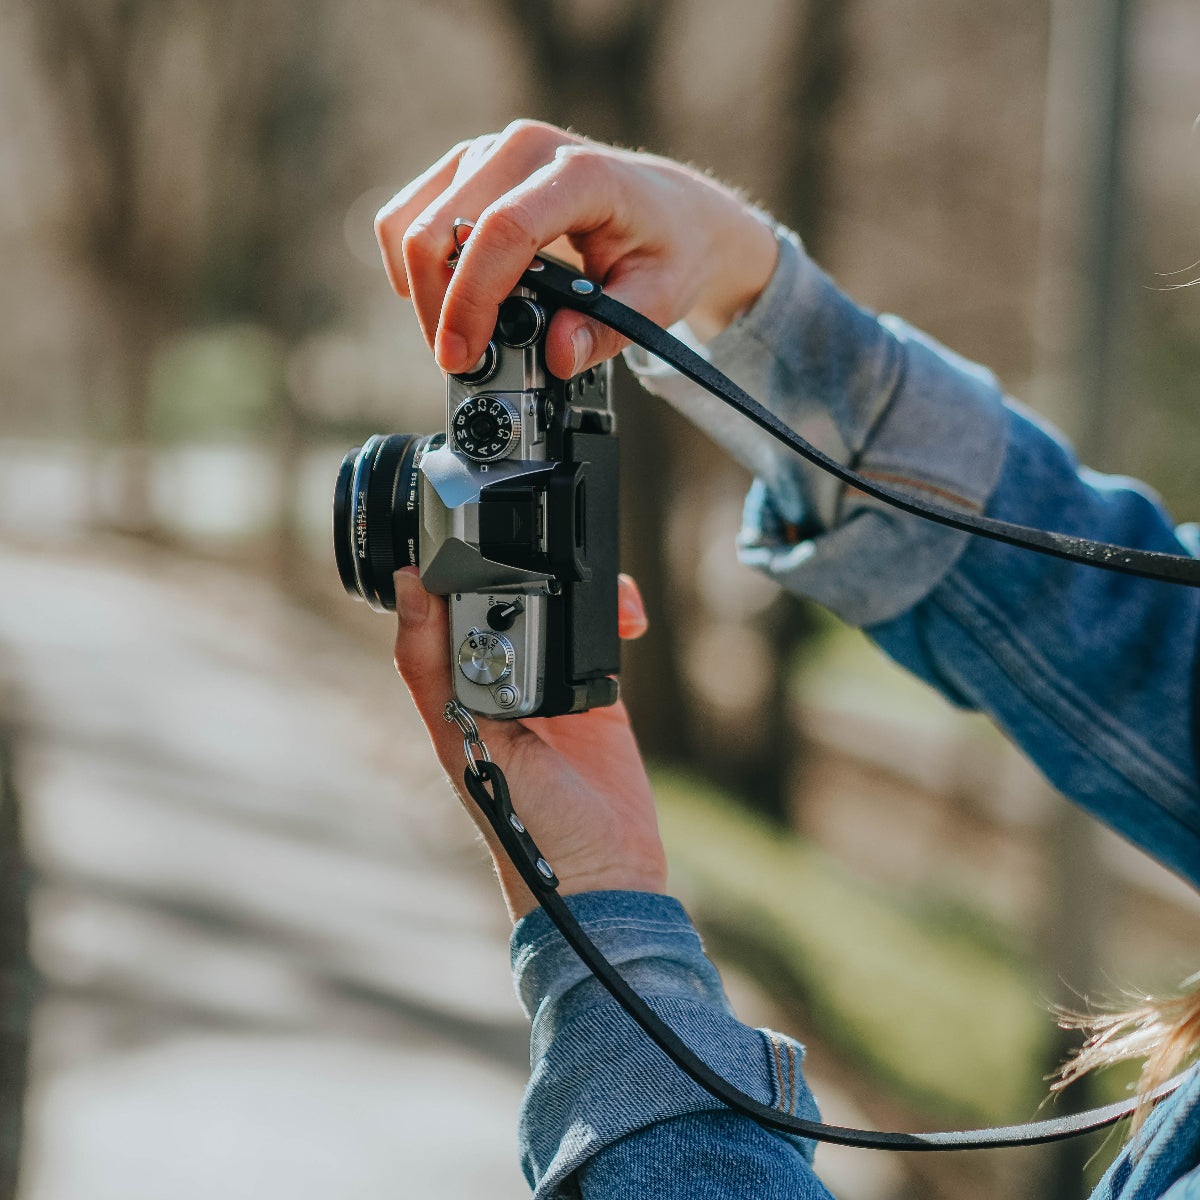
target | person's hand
[
  {"x": 577, "y": 782},
  {"x": 662, "y": 238}
]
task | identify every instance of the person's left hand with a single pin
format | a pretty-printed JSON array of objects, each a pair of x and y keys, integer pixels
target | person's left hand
[{"x": 577, "y": 782}]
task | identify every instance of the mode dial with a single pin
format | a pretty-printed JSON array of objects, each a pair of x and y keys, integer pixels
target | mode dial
[
  {"x": 485, "y": 658},
  {"x": 485, "y": 427}
]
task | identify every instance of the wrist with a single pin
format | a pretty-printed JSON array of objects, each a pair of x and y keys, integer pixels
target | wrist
[
  {"x": 747, "y": 253},
  {"x": 520, "y": 901}
]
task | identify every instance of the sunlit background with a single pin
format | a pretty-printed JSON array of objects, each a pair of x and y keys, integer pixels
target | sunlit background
[{"x": 248, "y": 944}]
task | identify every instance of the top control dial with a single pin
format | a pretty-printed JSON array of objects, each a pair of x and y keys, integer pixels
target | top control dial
[
  {"x": 485, "y": 658},
  {"x": 520, "y": 322},
  {"x": 485, "y": 427},
  {"x": 483, "y": 370}
]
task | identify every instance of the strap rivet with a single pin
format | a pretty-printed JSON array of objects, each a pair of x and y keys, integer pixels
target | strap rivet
[
  {"x": 515, "y": 822},
  {"x": 582, "y": 287},
  {"x": 544, "y": 868}
]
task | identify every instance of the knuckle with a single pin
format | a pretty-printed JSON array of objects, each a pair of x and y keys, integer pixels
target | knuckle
[
  {"x": 526, "y": 134},
  {"x": 587, "y": 165},
  {"x": 386, "y": 231},
  {"x": 573, "y": 156},
  {"x": 419, "y": 243},
  {"x": 509, "y": 224}
]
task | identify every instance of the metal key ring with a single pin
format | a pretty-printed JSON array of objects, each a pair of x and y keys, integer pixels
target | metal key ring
[
  {"x": 455, "y": 714},
  {"x": 459, "y": 243}
]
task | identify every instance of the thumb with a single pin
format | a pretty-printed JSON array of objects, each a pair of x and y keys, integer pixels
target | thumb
[
  {"x": 575, "y": 342},
  {"x": 422, "y": 641},
  {"x": 423, "y": 660}
]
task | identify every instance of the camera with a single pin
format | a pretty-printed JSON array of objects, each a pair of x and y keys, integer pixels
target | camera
[{"x": 511, "y": 513}]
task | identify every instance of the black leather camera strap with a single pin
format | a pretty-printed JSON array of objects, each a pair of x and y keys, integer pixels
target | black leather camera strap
[
  {"x": 489, "y": 789},
  {"x": 573, "y": 291},
  {"x": 486, "y": 783}
]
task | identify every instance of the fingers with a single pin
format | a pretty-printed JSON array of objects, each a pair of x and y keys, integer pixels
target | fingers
[
  {"x": 417, "y": 241},
  {"x": 576, "y": 193},
  {"x": 575, "y": 342},
  {"x": 631, "y": 612},
  {"x": 423, "y": 660},
  {"x": 395, "y": 217}
]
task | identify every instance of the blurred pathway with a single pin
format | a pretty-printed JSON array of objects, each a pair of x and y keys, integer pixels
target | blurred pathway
[{"x": 252, "y": 989}]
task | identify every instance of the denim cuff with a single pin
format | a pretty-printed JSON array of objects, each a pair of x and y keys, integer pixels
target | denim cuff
[
  {"x": 871, "y": 393},
  {"x": 595, "y": 1077}
]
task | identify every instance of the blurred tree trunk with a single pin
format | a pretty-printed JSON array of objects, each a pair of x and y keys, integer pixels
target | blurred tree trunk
[
  {"x": 92, "y": 58},
  {"x": 193, "y": 197},
  {"x": 1082, "y": 332},
  {"x": 16, "y": 970},
  {"x": 762, "y": 767},
  {"x": 597, "y": 76},
  {"x": 288, "y": 293}
]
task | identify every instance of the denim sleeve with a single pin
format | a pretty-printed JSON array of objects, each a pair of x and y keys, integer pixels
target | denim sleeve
[
  {"x": 871, "y": 393},
  {"x": 1089, "y": 672},
  {"x": 604, "y": 1107}
]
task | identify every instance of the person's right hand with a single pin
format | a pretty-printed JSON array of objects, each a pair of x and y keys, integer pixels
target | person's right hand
[{"x": 662, "y": 238}]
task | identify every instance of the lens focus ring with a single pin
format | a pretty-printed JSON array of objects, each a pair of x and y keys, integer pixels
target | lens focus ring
[{"x": 376, "y": 514}]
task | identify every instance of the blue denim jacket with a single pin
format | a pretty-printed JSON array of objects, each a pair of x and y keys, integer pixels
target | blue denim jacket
[{"x": 1090, "y": 673}]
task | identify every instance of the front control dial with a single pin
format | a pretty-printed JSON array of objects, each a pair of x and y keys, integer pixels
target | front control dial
[
  {"x": 485, "y": 427},
  {"x": 485, "y": 658}
]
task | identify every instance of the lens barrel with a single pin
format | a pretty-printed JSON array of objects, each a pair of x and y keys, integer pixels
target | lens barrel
[{"x": 377, "y": 514}]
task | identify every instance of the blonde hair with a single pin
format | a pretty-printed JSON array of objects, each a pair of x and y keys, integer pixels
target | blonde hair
[{"x": 1165, "y": 1031}]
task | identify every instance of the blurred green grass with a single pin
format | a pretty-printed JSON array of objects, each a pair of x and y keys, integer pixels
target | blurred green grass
[
  {"x": 217, "y": 383},
  {"x": 935, "y": 1008}
]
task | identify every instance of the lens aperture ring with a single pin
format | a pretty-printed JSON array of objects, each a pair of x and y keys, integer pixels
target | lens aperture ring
[
  {"x": 381, "y": 497},
  {"x": 356, "y": 517}
]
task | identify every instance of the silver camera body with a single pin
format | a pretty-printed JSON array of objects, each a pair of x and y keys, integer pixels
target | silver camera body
[{"x": 511, "y": 514}]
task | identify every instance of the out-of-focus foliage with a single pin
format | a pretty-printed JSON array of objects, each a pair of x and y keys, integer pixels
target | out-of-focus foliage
[
  {"x": 217, "y": 383},
  {"x": 948, "y": 1020}
]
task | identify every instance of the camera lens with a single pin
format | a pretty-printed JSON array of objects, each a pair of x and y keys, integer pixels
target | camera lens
[
  {"x": 377, "y": 515},
  {"x": 520, "y": 322}
]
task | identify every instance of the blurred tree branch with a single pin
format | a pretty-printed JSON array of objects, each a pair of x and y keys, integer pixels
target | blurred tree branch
[
  {"x": 594, "y": 72},
  {"x": 192, "y": 141}
]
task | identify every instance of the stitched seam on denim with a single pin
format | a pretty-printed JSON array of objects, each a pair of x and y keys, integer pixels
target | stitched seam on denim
[
  {"x": 678, "y": 1012},
  {"x": 668, "y": 1105},
  {"x": 582, "y": 993},
  {"x": 778, "y": 1080},
  {"x": 917, "y": 484},
  {"x": 791, "y": 1052},
  {"x": 1063, "y": 703},
  {"x": 769, "y": 349},
  {"x": 600, "y": 924}
]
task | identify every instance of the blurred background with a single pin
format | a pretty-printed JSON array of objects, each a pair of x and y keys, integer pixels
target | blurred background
[{"x": 247, "y": 942}]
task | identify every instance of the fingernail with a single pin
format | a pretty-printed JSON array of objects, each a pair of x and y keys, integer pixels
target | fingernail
[
  {"x": 583, "y": 343},
  {"x": 451, "y": 353},
  {"x": 412, "y": 600}
]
